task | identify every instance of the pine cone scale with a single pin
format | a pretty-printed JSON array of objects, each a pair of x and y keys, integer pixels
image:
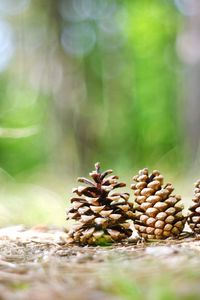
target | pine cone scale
[
  {"x": 194, "y": 217},
  {"x": 158, "y": 213},
  {"x": 101, "y": 214}
]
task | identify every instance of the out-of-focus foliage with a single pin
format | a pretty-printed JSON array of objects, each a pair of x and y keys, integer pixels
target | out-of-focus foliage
[
  {"x": 91, "y": 80},
  {"x": 98, "y": 79},
  {"x": 155, "y": 109}
]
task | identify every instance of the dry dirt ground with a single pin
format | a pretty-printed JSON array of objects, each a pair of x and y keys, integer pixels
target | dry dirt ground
[{"x": 37, "y": 264}]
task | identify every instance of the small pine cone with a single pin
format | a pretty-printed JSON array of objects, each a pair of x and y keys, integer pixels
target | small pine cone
[
  {"x": 158, "y": 213},
  {"x": 194, "y": 217},
  {"x": 102, "y": 215}
]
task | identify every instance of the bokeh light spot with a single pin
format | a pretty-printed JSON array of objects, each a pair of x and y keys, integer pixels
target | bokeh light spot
[
  {"x": 6, "y": 44},
  {"x": 78, "y": 39},
  {"x": 94, "y": 9},
  {"x": 188, "y": 7},
  {"x": 68, "y": 12},
  {"x": 13, "y": 7}
]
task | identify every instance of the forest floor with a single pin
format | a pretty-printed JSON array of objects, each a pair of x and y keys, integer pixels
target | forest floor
[{"x": 37, "y": 264}]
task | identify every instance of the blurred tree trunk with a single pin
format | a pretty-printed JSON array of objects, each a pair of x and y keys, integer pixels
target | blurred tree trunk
[{"x": 189, "y": 50}]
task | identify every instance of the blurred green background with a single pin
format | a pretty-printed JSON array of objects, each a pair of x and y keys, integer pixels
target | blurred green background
[{"x": 94, "y": 80}]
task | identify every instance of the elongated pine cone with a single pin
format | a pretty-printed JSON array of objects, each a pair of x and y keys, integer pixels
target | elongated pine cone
[
  {"x": 194, "y": 217},
  {"x": 158, "y": 213},
  {"x": 101, "y": 214}
]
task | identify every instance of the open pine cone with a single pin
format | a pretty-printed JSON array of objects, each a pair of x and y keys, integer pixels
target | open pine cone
[
  {"x": 158, "y": 213},
  {"x": 194, "y": 217},
  {"x": 101, "y": 214}
]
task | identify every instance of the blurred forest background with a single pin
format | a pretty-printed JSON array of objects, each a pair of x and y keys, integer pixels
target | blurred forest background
[{"x": 94, "y": 80}]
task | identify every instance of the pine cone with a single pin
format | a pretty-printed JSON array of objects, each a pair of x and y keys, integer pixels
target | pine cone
[
  {"x": 158, "y": 213},
  {"x": 194, "y": 217},
  {"x": 102, "y": 215}
]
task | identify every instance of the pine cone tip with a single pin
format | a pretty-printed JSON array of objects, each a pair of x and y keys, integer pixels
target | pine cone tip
[{"x": 97, "y": 167}]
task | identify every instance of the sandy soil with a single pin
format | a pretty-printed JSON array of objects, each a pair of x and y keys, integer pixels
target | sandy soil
[{"x": 37, "y": 264}]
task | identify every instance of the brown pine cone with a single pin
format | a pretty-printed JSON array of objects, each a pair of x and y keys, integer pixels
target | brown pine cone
[
  {"x": 102, "y": 215},
  {"x": 158, "y": 213},
  {"x": 194, "y": 217}
]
